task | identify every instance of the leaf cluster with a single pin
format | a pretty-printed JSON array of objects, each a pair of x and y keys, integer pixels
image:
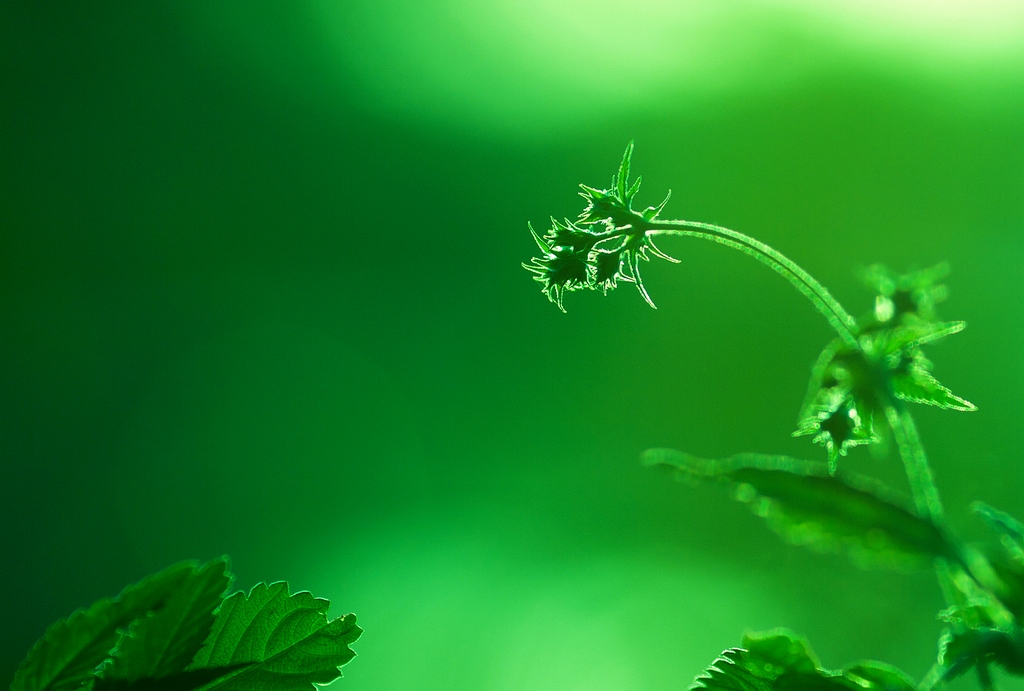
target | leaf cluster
[
  {"x": 603, "y": 246},
  {"x": 175, "y": 631},
  {"x": 852, "y": 387}
]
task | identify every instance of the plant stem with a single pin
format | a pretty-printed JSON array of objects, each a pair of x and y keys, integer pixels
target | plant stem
[
  {"x": 924, "y": 491},
  {"x": 919, "y": 473},
  {"x": 828, "y": 306}
]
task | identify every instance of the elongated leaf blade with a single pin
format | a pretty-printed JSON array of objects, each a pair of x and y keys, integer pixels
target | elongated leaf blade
[
  {"x": 65, "y": 657},
  {"x": 807, "y": 506},
  {"x": 779, "y": 660},
  {"x": 907, "y": 337},
  {"x": 919, "y": 386},
  {"x": 164, "y": 642},
  {"x": 283, "y": 642},
  {"x": 622, "y": 177}
]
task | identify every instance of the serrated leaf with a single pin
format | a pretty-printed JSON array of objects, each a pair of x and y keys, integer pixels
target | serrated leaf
[
  {"x": 164, "y": 642},
  {"x": 285, "y": 642},
  {"x": 779, "y": 660},
  {"x": 65, "y": 657},
  {"x": 919, "y": 386},
  {"x": 728, "y": 673},
  {"x": 806, "y": 505}
]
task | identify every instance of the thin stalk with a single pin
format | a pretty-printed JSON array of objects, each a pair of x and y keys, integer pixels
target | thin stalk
[
  {"x": 919, "y": 473},
  {"x": 929, "y": 505},
  {"x": 933, "y": 678},
  {"x": 828, "y": 306}
]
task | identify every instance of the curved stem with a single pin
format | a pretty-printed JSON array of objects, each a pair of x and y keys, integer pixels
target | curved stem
[{"x": 828, "y": 306}]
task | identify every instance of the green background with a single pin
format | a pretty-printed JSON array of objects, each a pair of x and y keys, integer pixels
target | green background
[{"x": 261, "y": 294}]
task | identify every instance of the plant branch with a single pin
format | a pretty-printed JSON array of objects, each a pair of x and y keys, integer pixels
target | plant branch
[{"x": 828, "y": 306}]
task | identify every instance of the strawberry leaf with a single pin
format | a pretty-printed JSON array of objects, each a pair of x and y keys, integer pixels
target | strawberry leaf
[
  {"x": 164, "y": 642},
  {"x": 281, "y": 642},
  {"x": 779, "y": 660}
]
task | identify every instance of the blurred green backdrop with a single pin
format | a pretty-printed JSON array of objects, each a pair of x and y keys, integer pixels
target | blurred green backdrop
[{"x": 260, "y": 295}]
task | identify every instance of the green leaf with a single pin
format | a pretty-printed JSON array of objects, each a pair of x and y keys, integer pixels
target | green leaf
[
  {"x": 911, "y": 380},
  {"x": 878, "y": 675},
  {"x": 164, "y": 642},
  {"x": 1009, "y": 529},
  {"x": 807, "y": 506},
  {"x": 918, "y": 333},
  {"x": 917, "y": 385},
  {"x": 1007, "y": 563},
  {"x": 962, "y": 651},
  {"x": 779, "y": 660},
  {"x": 633, "y": 189},
  {"x": 179, "y": 681},
  {"x": 622, "y": 178},
  {"x": 651, "y": 212},
  {"x": 284, "y": 642},
  {"x": 545, "y": 248},
  {"x": 69, "y": 651}
]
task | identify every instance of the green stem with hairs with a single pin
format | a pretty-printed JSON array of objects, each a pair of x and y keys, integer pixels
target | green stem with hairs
[
  {"x": 828, "y": 306},
  {"x": 929, "y": 505},
  {"x": 919, "y": 473}
]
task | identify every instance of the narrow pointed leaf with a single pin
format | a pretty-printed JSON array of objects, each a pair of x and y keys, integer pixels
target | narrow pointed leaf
[
  {"x": 658, "y": 253},
  {"x": 164, "y": 642},
  {"x": 919, "y": 386},
  {"x": 806, "y": 505},
  {"x": 634, "y": 266},
  {"x": 905, "y": 337},
  {"x": 285, "y": 642},
  {"x": 544, "y": 247},
  {"x": 65, "y": 657},
  {"x": 622, "y": 178},
  {"x": 651, "y": 212},
  {"x": 633, "y": 189},
  {"x": 779, "y": 660}
]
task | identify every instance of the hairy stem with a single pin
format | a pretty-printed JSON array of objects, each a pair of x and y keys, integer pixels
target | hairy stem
[
  {"x": 924, "y": 491},
  {"x": 828, "y": 306},
  {"x": 919, "y": 473}
]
